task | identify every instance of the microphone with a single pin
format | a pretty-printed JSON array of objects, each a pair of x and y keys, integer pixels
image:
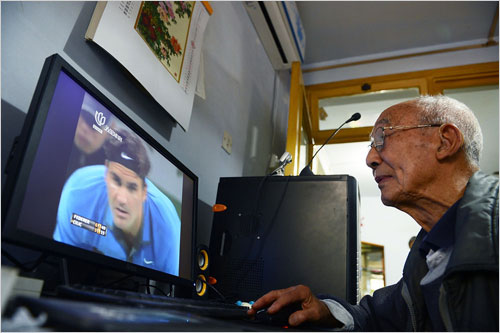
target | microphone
[
  {"x": 285, "y": 159},
  {"x": 307, "y": 170}
]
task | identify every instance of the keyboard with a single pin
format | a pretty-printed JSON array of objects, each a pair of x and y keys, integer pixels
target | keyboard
[
  {"x": 207, "y": 308},
  {"x": 85, "y": 308},
  {"x": 71, "y": 316}
]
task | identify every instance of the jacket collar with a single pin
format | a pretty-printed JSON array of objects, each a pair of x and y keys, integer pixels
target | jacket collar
[{"x": 476, "y": 229}]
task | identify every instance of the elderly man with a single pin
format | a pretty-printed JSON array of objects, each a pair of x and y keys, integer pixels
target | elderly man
[{"x": 425, "y": 159}]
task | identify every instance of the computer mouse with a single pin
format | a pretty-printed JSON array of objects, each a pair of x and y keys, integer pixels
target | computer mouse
[{"x": 279, "y": 318}]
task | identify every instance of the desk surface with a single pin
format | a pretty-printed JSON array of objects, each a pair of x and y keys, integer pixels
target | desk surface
[{"x": 69, "y": 315}]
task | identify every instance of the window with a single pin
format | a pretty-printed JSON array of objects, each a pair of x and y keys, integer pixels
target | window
[{"x": 328, "y": 105}]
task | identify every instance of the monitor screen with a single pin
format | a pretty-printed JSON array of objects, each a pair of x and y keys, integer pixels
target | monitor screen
[{"x": 90, "y": 183}]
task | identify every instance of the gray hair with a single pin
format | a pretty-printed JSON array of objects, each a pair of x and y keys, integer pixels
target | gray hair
[{"x": 443, "y": 109}]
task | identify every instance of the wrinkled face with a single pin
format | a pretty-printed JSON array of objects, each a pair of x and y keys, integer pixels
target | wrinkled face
[
  {"x": 126, "y": 195},
  {"x": 406, "y": 164},
  {"x": 87, "y": 139}
]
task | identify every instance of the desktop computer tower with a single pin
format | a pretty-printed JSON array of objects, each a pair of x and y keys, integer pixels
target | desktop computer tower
[{"x": 277, "y": 232}]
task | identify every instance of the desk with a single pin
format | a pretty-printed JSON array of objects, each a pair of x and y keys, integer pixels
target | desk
[{"x": 69, "y": 315}]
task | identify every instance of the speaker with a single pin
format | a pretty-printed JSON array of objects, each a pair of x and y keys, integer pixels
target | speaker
[
  {"x": 282, "y": 231},
  {"x": 202, "y": 271}
]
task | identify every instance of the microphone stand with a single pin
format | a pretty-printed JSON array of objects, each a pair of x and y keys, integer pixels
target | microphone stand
[{"x": 307, "y": 169}]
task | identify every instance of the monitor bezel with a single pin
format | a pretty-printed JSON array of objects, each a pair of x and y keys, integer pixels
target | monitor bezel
[{"x": 21, "y": 162}]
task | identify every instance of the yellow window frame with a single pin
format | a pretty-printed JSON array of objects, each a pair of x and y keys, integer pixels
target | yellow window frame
[{"x": 304, "y": 100}]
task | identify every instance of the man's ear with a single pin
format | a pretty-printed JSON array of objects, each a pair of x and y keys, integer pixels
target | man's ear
[{"x": 451, "y": 140}]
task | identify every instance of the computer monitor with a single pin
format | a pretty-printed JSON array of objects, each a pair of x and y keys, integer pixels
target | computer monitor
[{"x": 87, "y": 182}]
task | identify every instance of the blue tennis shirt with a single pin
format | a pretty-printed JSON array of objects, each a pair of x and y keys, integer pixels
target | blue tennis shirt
[{"x": 84, "y": 219}]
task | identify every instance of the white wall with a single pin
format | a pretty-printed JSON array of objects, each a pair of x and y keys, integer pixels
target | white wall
[{"x": 243, "y": 92}]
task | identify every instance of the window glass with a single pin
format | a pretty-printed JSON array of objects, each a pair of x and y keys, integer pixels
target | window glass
[{"x": 333, "y": 111}]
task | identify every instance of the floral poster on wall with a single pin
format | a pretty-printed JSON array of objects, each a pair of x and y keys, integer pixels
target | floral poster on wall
[
  {"x": 164, "y": 27},
  {"x": 159, "y": 43}
]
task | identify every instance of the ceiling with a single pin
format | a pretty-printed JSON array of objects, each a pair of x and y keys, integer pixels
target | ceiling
[{"x": 345, "y": 29}]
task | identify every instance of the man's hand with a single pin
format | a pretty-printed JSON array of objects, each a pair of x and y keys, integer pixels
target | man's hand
[{"x": 313, "y": 310}]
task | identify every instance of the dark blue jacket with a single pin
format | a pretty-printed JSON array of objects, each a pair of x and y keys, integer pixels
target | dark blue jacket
[{"x": 469, "y": 296}]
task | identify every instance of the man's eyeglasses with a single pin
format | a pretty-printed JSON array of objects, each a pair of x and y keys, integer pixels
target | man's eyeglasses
[{"x": 377, "y": 138}]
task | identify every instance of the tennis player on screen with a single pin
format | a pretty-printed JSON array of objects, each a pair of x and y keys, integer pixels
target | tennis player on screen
[{"x": 115, "y": 210}]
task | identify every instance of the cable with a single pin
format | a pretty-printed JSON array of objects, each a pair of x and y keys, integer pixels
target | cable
[
  {"x": 157, "y": 288},
  {"x": 213, "y": 288},
  {"x": 307, "y": 169},
  {"x": 265, "y": 234},
  {"x": 128, "y": 276},
  {"x": 255, "y": 226},
  {"x": 254, "y": 215}
]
